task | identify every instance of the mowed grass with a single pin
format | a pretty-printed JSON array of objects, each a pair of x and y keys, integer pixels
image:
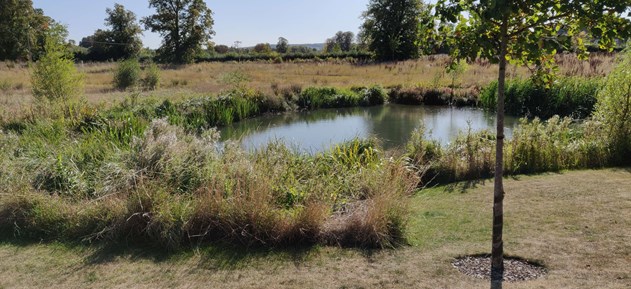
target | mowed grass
[
  {"x": 210, "y": 78},
  {"x": 576, "y": 223}
]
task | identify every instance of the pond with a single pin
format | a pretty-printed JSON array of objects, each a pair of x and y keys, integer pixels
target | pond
[{"x": 314, "y": 131}]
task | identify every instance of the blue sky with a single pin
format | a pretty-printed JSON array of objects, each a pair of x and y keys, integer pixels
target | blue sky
[{"x": 248, "y": 21}]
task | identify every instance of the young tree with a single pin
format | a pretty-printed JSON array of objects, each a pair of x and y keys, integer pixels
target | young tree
[
  {"x": 185, "y": 25},
  {"x": 393, "y": 29},
  {"x": 282, "y": 46},
  {"x": 525, "y": 32},
  {"x": 55, "y": 79}
]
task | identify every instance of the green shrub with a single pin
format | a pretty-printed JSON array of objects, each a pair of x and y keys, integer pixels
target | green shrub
[
  {"x": 614, "y": 110},
  {"x": 127, "y": 74},
  {"x": 151, "y": 81},
  {"x": 54, "y": 78}
]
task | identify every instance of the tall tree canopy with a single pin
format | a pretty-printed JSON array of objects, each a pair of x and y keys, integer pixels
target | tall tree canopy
[
  {"x": 393, "y": 29},
  {"x": 121, "y": 41},
  {"x": 283, "y": 45},
  {"x": 342, "y": 41},
  {"x": 185, "y": 25},
  {"x": 22, "y": 30},
  {"x": 526, "y": 32}
]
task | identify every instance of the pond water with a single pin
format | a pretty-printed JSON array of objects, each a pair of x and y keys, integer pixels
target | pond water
[{"x": 314, "y": 131}]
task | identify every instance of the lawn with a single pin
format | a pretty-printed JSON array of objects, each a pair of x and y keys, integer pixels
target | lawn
[{"x": 576, "y": 223}]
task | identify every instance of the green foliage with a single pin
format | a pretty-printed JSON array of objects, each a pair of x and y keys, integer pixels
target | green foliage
[
  {"x": 121, "y": 42},
  {"x": 328, "y": 97},
  {"x": 151, "y": 81},
  {"x": 433, "y": 96},
  {"x": 127, "y": 74},
  {"x": 54, "y": 77},
  {"x": 185, "y": 25},
  {"x": 396, "y": 29},
  {"x": 572, "y": 96},
  {"x": 22, "y": 30},
  {"x": 282, "y": 46},
  {"x": 341, "y": 42},
  {"x": 170, "y": 189},
  {"x": 614, "y": 110}
]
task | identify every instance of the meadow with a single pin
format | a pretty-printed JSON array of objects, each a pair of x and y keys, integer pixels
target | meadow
[{"x": 211, "y": 78}]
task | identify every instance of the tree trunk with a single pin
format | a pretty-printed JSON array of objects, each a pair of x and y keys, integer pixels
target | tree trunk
[{"x": 497, "y": 251}]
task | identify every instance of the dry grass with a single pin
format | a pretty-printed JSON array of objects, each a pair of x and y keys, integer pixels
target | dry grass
[
  {"x": 576, "y": 223},
  {"x": 208, "y": 78}
]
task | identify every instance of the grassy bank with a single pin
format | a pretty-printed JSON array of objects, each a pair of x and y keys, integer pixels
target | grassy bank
[{"x": 565, "y": 227}]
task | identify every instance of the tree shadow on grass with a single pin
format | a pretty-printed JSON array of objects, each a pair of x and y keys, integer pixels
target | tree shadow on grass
[
  {"x": 465, "y": 186},
  {"x": 209, "y": 256}
]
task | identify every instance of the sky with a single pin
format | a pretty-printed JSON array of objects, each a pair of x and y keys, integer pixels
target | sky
[{"x": 247, "y": 21}]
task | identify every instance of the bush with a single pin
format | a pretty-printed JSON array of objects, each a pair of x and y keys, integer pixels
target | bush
[
  {"x": 127, "y": 74},
  {"x": 54, "y": 77},
  {"x": 151, "y": 81},
  {"x": 614, "y": 110}
]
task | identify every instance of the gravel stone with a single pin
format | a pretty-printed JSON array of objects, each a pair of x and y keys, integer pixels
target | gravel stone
[{"x": 514, "y": 269}]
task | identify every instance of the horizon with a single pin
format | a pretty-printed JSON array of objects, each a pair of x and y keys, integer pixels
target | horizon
[{"x": 234, "y": 20}]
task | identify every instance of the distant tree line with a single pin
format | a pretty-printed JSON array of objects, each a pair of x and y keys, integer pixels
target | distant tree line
[{"x": 392, "y": 30}]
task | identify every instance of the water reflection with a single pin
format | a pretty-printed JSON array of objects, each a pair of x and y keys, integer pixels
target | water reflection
[{"x": 318, "y": 130}]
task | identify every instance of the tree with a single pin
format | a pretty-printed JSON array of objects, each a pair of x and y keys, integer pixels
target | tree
[
  {"x": 525, "y": 32},
  {"x": 97, "y": 45},
  {"x": 282, "y": 46},
  {"x": 124, "y": 36},
  {"x": 222, "y": 49},
  {"x": 393, "y": 29},
  {"x": 22, "y": 30},
  {"x": 262, "y": 48},
  {"x": 185, "y": 25},
  {"x": 341, "y": 41},
  {"x": 344, "y": 40},
  {"x": 55, "y": 80}
]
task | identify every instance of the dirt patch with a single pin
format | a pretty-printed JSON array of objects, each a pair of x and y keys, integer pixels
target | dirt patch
[{"x": 515, "y": 269}]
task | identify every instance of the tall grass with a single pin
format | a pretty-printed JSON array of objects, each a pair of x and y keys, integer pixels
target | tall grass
[
  {"x": 571, "y": 96},
  {"x": 536, "y": 146},
  {"x": 170, "y": 188}
]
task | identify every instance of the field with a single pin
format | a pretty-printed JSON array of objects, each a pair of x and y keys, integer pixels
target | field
[
  {"x": 211, "y": 78},
  {"x": 579, "y": 231}
]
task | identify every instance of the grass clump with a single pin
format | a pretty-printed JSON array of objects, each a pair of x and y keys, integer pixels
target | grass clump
[
  {"x": 571, "y": 96},
  {"x": 170, "y": 188}
]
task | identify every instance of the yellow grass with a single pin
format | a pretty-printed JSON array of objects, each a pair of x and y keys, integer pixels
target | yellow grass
[
  {"x": 576, "y": 223},
  {"x": 208, "y": 78}
]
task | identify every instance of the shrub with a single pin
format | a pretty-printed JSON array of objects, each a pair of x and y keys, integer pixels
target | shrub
[
  {"x": 614, "y": 110},
  {"x": 127, "y": 74},
  {"x": 54, "y": 77},
  {"x": 151, "y": 81},
  {"x": 374, "y": 95}
]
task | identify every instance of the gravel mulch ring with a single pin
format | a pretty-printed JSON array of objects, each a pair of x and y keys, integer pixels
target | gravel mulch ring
[{"x": 515, "y": 269}]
